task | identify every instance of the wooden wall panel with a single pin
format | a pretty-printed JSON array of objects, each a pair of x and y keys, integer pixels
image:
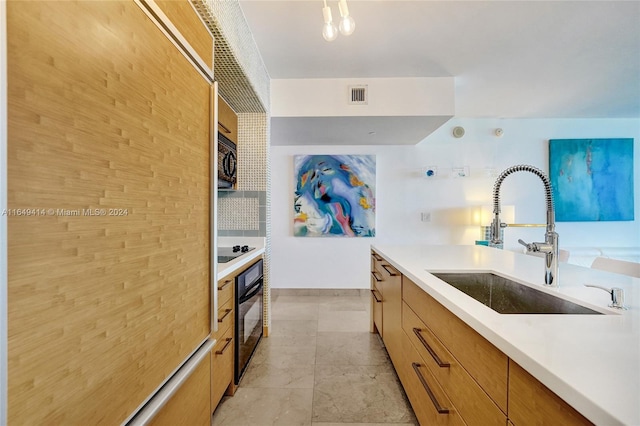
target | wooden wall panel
[
  {"x": 188, "y": 22},
  {"x": 104, "y": 113}
]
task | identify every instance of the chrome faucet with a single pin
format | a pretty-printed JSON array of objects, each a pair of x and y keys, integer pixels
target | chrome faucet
[{"x": 550, "y": 245}]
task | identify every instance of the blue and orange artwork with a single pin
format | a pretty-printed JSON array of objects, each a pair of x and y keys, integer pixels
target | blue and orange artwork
[
  {"x": 334, "y": 196},
  {"x": 592, "y": 179}
]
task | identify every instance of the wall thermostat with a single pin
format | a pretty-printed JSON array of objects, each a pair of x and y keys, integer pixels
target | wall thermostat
[{"x": 458, "y": 132}]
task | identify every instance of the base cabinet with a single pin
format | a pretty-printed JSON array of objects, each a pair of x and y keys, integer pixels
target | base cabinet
[
  {"x": 532, "y": 403},
  {"x": 450, "y": 373},
  {"x": 189, "y": 405},
  {"x": 430, "y": 403}
]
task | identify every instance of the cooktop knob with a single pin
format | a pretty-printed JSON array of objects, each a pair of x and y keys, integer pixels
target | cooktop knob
[
  {"x": 245, "y": 249},
  {"x": 236, "y": 248}
]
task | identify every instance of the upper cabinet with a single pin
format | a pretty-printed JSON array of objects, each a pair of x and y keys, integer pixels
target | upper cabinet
[
  {"x": 227, "y": 121},
  {"x": 190, "y": 26}
]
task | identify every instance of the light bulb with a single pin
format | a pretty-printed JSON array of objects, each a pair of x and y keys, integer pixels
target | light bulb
[
  {"x": 329, "y": 31},
  {"x": 347, "y": 25}
]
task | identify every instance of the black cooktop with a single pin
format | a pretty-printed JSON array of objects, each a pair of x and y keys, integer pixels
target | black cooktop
[{"x": 227, "y": 254}]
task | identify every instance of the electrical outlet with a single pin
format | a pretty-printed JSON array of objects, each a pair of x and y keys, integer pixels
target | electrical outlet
[{"x": 425, "y": 216}]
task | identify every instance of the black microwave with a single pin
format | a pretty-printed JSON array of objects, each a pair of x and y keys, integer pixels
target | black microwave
[{"x": 227, "y": 162}]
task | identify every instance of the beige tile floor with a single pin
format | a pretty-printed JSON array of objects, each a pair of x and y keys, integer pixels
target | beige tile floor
[{"x": 320, "y": 366}]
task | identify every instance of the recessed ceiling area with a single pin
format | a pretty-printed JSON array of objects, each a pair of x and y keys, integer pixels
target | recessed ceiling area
[{"x": 353, "y": 130}]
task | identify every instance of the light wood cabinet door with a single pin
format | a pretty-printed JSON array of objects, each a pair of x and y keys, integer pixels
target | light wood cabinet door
[
  {"x": 475, "y": 407},
  {"x": 391, "y": 310},
  {"x": 108, "y": 136},
  {"x": 221, "y": 367},
  {"x": 225, "y": 319},
  {"x": 226, "y": 289},
  {"x": 184, "y": 16},
  {"x": 227, "y": 120},
  {"x": 190, "y": 405},
  {"x": 429, "y": 402},
  {"x": 376, "y": 295},
  {"x": 532, "y": 403},
  {"x": 484, "y": 362}
]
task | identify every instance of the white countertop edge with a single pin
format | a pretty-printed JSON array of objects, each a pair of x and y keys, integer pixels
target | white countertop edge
[
  {"x": 236, "y": 264},
  {"x": 474, "y": 314}
]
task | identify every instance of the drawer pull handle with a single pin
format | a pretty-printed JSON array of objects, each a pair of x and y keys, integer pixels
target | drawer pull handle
[
  {"x": 226, "y": 345},
  {"x": 223, "y": 286},
  {"x": 433, "y": 354},
  {"x": 439, "y": 409},
  {"x": 226, "y": 313},
  {"x": 375, "y": 276},
  {"x": 373, "y": 292},
  {"x": 391, "y": 272},
  {"x": 376, "y": 256}
]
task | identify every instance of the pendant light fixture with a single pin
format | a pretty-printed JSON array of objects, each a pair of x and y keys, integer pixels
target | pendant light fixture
[
  {"x": 329, "y": 30},
  {"x": 347, "y": 24}
]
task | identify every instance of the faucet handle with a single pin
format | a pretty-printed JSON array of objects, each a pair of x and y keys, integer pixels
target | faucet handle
[
  {"x": 617, "y": 295},
  {"x": 529, "y": 247}
]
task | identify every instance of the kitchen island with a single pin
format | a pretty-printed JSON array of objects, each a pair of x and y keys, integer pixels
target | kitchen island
[{"x": 592, "y": 362}]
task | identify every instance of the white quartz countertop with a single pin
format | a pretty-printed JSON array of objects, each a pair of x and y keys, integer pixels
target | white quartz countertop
[
  {"x": 590, "y": 361},
  {"x": 238, "y": 263}
]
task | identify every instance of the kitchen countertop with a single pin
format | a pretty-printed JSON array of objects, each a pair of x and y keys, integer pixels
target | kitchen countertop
[
  {"x": 590, "y": 361},
  {"x": 236, "y": 264}
]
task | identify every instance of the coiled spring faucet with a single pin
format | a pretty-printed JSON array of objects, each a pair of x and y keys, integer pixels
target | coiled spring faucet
[{"x": 550, "y": 245}]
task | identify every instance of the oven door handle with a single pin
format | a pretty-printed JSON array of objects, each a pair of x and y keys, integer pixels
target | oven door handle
[{"x": 257, "y": 287}]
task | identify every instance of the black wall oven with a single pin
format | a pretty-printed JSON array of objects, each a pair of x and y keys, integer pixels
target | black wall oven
[{"x": 249, "y": 314}]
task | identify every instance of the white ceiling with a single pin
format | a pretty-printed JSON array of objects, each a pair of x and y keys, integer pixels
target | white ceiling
[{"x": 545, "y": 59}]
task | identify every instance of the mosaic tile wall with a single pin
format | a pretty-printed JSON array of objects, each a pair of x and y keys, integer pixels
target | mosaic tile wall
[
  {"x": 237, "y": 66},
  {"x": 244, "y": 83}
]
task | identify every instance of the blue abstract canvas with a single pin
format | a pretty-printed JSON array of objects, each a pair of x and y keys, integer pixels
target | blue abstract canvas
[
  {"x": 592, "y": 179},
  {"x": 334, "y": 196}
]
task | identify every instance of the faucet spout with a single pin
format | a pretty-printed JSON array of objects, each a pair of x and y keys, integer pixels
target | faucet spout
[{"x": 550, "y": 246}]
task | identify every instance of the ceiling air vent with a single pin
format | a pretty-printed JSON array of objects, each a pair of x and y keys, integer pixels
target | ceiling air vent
[{"x": 358, "y": 95}]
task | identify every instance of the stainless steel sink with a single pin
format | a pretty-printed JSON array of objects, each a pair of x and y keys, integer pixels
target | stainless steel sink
[{"x": 509, "y": 297}]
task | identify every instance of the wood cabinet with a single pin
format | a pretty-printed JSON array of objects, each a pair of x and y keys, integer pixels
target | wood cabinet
[
  {"x": 386, "y": 299},
  {"x": 189, "y": 405},
  {"x": 108, "y": 136},
  {"x": 430, "y": 403},
  {"x": 465, "y": 393},
  {"x": 187, "y": 21},
  {"x": 450, "y": 373},
  {"x": 376, "y": 294},
  {"x": 487, "y": 365},
  {"x": 222, "y": 354},
  {"x": 532, "y": 403},
  {"x": 227, "y": 120}
]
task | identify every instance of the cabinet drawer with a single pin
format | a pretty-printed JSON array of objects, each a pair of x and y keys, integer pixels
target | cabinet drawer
[
  {"x": 532, "y": 403},
  {"x": 225, "y": 319},
  {"x": 190, "y": 404},
  {"x": 225, "y": 289},
  {"x": 472, "y": 402},
  {"x": 376, "y": 311},
  {"x": 483, "y": 361},
  {"x": 221, "y": 367},
  {"x": 423, "y": 391}
]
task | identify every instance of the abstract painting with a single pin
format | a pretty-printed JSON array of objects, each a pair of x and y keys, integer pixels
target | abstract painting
[
  {"x": 334, "y": 196},
  {"x": 592, "y": 179}
]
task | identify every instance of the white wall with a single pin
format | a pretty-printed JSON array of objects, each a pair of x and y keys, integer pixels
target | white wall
[{"x": 402, "y": 194}]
